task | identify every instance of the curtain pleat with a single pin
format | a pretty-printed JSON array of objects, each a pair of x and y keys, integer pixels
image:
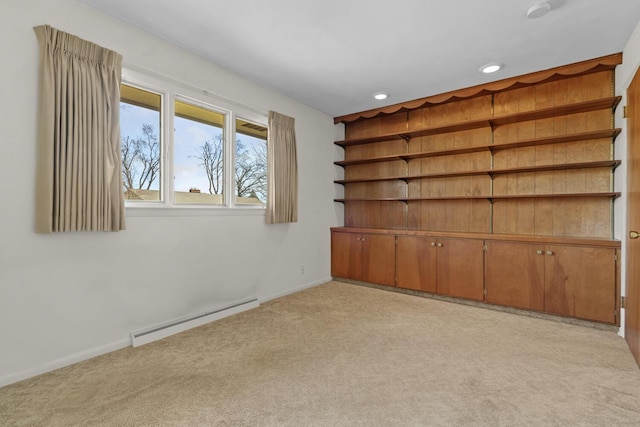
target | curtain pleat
[
  {"x": 79, "y": 185},
  {"x": 282, "y": 171}
]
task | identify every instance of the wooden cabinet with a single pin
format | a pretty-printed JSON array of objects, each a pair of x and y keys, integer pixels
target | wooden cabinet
[
  {"x": 447, "y": 266},
  {"x": 460, "y": 268},
  {"x": 515, "y": 275},
  {"x": 364, "y": 257},
  {"x": 567, "y": 280},
  {"x": 580, "y": 282},
  {"x": 416, "y": 263}
]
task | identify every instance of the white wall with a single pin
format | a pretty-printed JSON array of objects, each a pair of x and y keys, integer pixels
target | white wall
[
  {"x": 624, "y": 75},
  {"x": 69, "y": 296}
]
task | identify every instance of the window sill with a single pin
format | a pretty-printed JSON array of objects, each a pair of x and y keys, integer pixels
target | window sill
[{"x": 192, "y": 211}]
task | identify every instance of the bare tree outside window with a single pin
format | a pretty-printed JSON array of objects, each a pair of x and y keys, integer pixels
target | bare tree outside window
[
  {"x": 198, "y": 154},
  {"x": 147, "y": 150},
  {"x": 211, "y": 157},
  {"x": 251, "y": 168},
  {"x": 140, "y": 161}
]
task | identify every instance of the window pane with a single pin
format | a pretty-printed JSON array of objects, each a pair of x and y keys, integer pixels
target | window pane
[
  {"x": 140, "y": 143},
  {"x": 198, "y": 156},
  {"x": 251, "y": 163}
]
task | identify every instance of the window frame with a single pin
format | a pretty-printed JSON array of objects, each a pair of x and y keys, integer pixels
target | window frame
[{"x": 171, "y": 91}]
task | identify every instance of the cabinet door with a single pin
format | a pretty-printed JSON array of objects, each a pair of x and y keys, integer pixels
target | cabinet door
[
  {"x": 515, "y": 274},
  {"x": 378, "y": 259},
  {"x": 416, "y": 265},
  {"x": 460, "y": 268},
  {"x": 580, "y": 282},
  {"x": 346, "y": 255}
]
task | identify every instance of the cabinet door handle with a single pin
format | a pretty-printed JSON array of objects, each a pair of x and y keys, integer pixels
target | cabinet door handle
[
  {"x": 433, "y": 243},
  {"x": 364, "y": 239},
  {"x": 549, "y": 252},
  {"x": 634, "y": 234},
  {"x": 440, "y": 245},
  {"x": 539, "y": 252}
]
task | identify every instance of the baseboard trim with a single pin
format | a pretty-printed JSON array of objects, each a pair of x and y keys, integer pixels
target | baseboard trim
[
  {"x": 165, "y": 330},
  {"x": 64, "y": 361},
  {"x": 294, "y": 290}
]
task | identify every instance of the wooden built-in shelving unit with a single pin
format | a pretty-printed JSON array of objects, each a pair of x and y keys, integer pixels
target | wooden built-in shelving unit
[
  {"x": 473, "y": 150},
  {"x": 523, "y": 161}
]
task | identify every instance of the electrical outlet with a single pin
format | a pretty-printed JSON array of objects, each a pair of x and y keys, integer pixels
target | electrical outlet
[{"x": 302, "y": 269}]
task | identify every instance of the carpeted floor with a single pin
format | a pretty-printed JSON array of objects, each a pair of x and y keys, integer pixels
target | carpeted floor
[{"x": 346, "y": 355}]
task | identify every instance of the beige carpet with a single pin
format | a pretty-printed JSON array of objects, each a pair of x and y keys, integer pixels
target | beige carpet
[{"x": 346, "y": 355}]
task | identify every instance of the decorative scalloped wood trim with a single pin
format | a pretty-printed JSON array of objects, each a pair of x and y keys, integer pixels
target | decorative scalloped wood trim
[{"x": 585, "y": 67}]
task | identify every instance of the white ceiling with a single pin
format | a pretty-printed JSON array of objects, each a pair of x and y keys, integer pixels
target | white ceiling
[{"x": 334, "y": 54}]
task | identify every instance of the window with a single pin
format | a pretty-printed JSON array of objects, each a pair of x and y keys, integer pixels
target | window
[
  {"x": 251, "y": 163},
  {"x": 216, "y": 155},
  {"x": 140, "y": 143},
  {"x": 198, "y": 155}
]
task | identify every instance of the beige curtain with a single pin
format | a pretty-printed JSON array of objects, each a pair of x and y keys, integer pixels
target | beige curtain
[
  {"x": 79, "y": 183},
  {"x": 282, "y": 181}
]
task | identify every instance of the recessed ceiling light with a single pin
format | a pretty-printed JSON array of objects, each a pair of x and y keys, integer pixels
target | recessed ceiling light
[
  {"x": 539, "y": 9},
  {"x": 380, "y": 95},
  {"x": 490, "y": 68}
]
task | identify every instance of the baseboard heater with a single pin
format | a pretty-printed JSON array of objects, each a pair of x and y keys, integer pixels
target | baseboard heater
[{"x": 155, "y": 333}]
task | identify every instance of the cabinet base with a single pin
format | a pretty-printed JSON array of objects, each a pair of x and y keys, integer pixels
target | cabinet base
[{"x": 484, "y": 305}]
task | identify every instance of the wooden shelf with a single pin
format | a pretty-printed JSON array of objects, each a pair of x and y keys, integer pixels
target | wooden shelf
[
  {"x": 389, "y": 158},
  {"x": 583, "y": 136},
  {"x": 412, "y": 199},
  {"x": 456, "y": 127},
  {"x": 491, "y": 172},
  {"x": 563, "y": 110},
  {"x": 354, "y": 181},
  {"x": 371, "y": 140},
  {"x": 493, "y": 122},
  {"x": 563, "y": 166},
  {"x": 612, "y": 195},
  {"x": 466, "y": 150}
]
